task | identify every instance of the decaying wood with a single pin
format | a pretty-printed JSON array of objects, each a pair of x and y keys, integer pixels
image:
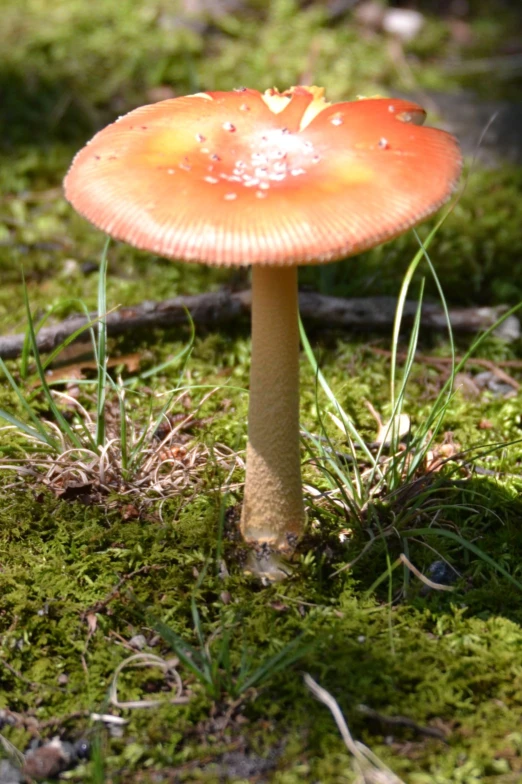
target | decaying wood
[{"x": 220, "y": 308}]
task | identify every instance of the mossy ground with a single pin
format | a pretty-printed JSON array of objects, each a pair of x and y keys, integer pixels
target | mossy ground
[{"x": 448, "y": 661}]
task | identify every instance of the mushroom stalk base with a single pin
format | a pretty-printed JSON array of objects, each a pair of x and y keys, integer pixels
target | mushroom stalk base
[{"x": 273, "y": 512}]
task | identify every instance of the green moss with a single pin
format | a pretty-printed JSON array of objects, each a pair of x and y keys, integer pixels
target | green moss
[
  {"x": 444, "y": 665},
  {"x": 451, "y": 661}
]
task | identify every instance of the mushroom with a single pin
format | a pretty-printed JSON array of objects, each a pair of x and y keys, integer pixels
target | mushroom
[{"x": 271, "y": 180}]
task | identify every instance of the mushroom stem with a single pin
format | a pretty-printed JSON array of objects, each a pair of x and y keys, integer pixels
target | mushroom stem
[{"x": 273, "y": 512}]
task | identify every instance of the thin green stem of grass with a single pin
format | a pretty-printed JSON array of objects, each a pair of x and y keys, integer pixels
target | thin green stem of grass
[
  {"x": 101, "y": 348},
  {"x": 350, "y": 428},
  {"x": 64, "y": 426},
  {"x": 39, "y": 432}
]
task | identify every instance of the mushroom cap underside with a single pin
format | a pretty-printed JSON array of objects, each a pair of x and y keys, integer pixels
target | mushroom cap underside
[{"x": 239, "y": 178}]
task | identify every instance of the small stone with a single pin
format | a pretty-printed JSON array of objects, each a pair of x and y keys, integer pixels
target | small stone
[
  {"x": 442, "y": 573},
  {"x": 48, "y": 761},
  {"x": 138, "y": 641},
  {"x": 400, "y": 429},
  {"x": 71, "y": 268},
  {"x": 405, "y": 23},
  {"x": 369, "y": 13},
  {"x": 9, "y": 774},
  {"x": 497, "y": 386},
  {"x": 466, "y": 386},
  {"x": 439, "y": 572},
  {"x": 223, "y": 570}
]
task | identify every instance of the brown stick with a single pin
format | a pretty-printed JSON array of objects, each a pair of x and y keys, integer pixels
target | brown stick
[{"x": 220, "y": 308}]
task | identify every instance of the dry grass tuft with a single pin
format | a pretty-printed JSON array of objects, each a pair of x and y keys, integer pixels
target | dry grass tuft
[{"x": 150, "y": 463}]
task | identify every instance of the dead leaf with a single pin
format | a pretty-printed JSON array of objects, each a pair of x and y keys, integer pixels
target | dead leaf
[
  {"x": 77, "y": 370},
  {"x": 399, "y": 429},
  {"x": 130, "y": 512},
  {"x": 92, "y": 623},
  {"x": 437, "y": 457}
]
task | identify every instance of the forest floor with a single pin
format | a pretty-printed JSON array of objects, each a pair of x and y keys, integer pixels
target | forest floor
[{"x": 99, "y": 563}]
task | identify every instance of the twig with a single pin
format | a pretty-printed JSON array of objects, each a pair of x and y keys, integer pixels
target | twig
[
  {"x": 220, "y": 308},
  {"x": 401, "y": 721},
  {"x": 58, "y": 722}
]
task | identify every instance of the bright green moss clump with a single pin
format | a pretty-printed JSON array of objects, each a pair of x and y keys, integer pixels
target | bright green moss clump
[{"x": 439, "y": 665}]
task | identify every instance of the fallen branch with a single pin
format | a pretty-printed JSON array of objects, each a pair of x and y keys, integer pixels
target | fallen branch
[{"x": 224, "y": 307}]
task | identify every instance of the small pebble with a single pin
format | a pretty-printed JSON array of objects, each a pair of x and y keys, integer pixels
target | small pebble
[
  {"x": 48, "y": 761},
  {"x": 88, "y": 267},
  {"x": 9, "y": 774},
  {"x": 138, "y": 641},
  {"x": 490, "y": 381},
  {"x": 439, "y": 572},
  {"x": 70, "y": 268},
  {"x": 405, "y": 23}
]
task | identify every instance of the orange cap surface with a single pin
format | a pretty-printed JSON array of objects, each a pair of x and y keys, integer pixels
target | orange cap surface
[{"x": 238, "y": 178}]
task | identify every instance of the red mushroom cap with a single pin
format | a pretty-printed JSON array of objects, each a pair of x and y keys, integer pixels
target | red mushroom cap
[{"x": 238, "y": 178}]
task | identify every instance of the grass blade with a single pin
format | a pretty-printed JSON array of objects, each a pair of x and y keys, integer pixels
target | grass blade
[
  {"x": 350, "y": 427},
  {"x": 186, "y": 652},
  {"x": 284, "y": 658},
  {"x": 43, "y": 434},
  {"x": 60, "y": 419},
  {"x": 101, "y": 352}
]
